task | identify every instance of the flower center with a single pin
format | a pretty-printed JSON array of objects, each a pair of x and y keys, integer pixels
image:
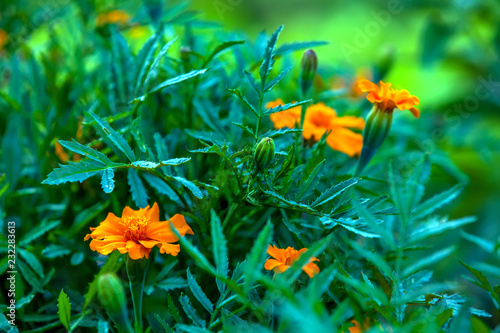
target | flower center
[
  {"x": 289, "y": 261},
  {"x": 135, "y": 227}
]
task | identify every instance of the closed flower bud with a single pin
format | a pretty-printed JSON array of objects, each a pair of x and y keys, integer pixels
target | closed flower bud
[
  {"x": 264, "y": 153},
  {"x": 309, "y": 66},
  {"x": 112, "y": 297}
]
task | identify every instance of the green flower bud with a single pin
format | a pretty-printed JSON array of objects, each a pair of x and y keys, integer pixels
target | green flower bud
[
  {"x": 264, "y": 153},
  {"x": 112, "y": 297},
  {"x": 309, "y": 66},
  {"x": 378, "y": 124}
]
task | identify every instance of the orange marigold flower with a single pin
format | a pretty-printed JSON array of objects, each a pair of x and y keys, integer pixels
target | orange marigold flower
[
  {"x": 287, "y": 118},
  {"x": 137, "y": 232},
  {"x": 112, "y": 17},
  {"x": 59, "y": 151},
  {"x": 4, "y": 38},
  {"x": 321, "y": 118},
  {"x": 284, "y": 259},
  {"x": 387, "y": 98}
]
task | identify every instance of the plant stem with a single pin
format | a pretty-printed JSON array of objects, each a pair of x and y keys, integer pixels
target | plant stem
[{"x": 136, "y": 272}]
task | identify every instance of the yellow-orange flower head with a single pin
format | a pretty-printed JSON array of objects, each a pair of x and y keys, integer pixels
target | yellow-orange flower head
[
  {"x": 284, "y": 259},
  {"x": 320, "y": 119},
  {"x": 137, "y": 232},
  {"x": 388, "y": 98},
  {"x": 113, "y": 17}
]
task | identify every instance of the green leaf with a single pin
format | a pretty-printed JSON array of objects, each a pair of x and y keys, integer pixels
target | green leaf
[
  {"x": 303, "y": 189},
  {"x": 162, "y": 187},
  {"x": 220, "y": 48},
  {"x": 278, "y": 78},
  {"x": 251, "y": 81},
  {"x": 244, "y": 128},
  {"x": 281, "y": 132},
  {"x": 190, "y": 311},
  {"x": 144, "y": 59},
  {"x": 74, "y": 172},
  {"x": 429, "y": 260},
  {"x": 190, "y": 186},
  {"x": 64, "y": 309},
  {"x": 198, "y": 292},
  {"x": 219, "y": 249},
  {"x": 242, "y": 98},
  {"x": 284, "y": 107},
  {"x": 268, "y": 62},
  {"x": 255, "y": 259},
  {"x": 334, "y": 191},
  {"x": 102, "y": 326},
  {"x": 170, "y": 82},
  {"x": 290, "y": 47},
  {"x": 139, "y": 194},
  {"x": 37, "y": 232},
  {"x": 156, "y": 62},
  {"x": 483, "y": 243},
  {"x": 55, "y": 251},
  {"x": 430, "y": 205},
  {"x": 32, "y": 261},
  {"x": 107, "y": 181},
  {"x": 191, "y": 329},
  {"x": 86, "y": 151},
  {"x": 163, "y": 324},
  {"x": 437, "y": 226},
  {"x": 193, "y": 251},
  {"x": 172, "y": 283},
  {"x": 29, "y": 276},
  {"x": 115, "y": 137}
]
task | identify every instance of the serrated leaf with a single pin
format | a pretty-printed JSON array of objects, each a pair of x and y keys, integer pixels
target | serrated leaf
[
  {"x": 163, "y": 324},
  {"x": 74, "y": 172},
  {"x": 283, "y": 107},
  {"x": 32, "y": 261},
  {"x": 191, "y": 329},
  {"x": 483, "y": 243},
  {"x": 144, "y": 59},
  {"x": 162, "y": 187},
  {"x": 170, "y": 82},
  {"x": 219, "y": 249},
  {"x": 437, "y": 201},
  {"x": 190, "y": 186},
  {"x": 278, "y": 78},
  {"x": 190, "y": 311},
  {"x": 251, "y": 81},
  {"x": 44, "y": 227},
  {"x": 172, "y": 283},
  {"x": 107, "y": 181},
  {"x": 115, "y": 137},
  {"x": 334, "y": 191},
  {"x": 64, "y": 309},
  {"x": 198, "y": 292},
  {"x": 429, "y": 260},
  {"x": 255, "y": 259},
  {"x": 55, "y": 251},
  {"x": 435, "y": 227},
  {"x": 303, "y": 189},
  {"x": 242, "y": 98},
  {"x": 139, "y": 194},
  {"x": 220, "y": 48},
  {"x": 244, "y": 128},
  {"x": 193, "y": 251},
  {"x": 268, "y": 62},
  {"x": 295, "y": 46},
  {"x": 282, "y": 131},
  {"x": 29, "y": 276},
  {"x": 86, "y": 151},
  {"x": 153, "y": 67}
]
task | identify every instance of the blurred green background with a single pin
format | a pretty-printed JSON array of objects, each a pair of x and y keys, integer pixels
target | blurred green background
[{"x": 446, "y": 53}]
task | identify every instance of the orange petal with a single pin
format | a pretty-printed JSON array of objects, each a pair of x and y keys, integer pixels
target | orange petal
[
  {"x": 137, "y": 251},
  {"x": 348, "y": 121},
  {"x": 311, "y": 269},
  {"x": 346, "y": 141},
  {"x": 172, "y": 249},
  {"x": 153, "y": 213},
  {"x": 366, "y": 86},
  {"x": 270, "y": 264},
  {"x": 415, "y": 112}
]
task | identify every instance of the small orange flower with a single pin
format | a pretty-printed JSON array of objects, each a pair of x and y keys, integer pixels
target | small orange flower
[
  {"x": 287, "y": 118},
  {"x": 4, "y": 38},
  {"x": 284, "y": 259},
  {"x": 59, "y": 151},
  {"x": 321, "y": 118},
  {"x": 113, "y": 17},
  {"x": 387, "y": 98},
  {"x": 137, "y": 232}
]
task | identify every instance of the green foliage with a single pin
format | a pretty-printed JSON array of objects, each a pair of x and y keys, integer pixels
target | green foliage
[{"x": 181, "y": 112}]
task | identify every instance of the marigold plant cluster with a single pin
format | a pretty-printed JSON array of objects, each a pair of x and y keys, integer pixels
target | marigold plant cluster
[{"x": 164, "y": 174}]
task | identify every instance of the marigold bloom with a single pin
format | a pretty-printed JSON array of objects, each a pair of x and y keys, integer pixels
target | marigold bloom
[
  {"x": 321, "y": 118},
  {"x": 284, "y": 259},
  {"x": 137, "y": 232},
  {"x": 4, "y": 38},
  {"x": 287, "y": 118},
  {"x": 112, "y": 17},
  {"x": 387, "y": 98}
]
